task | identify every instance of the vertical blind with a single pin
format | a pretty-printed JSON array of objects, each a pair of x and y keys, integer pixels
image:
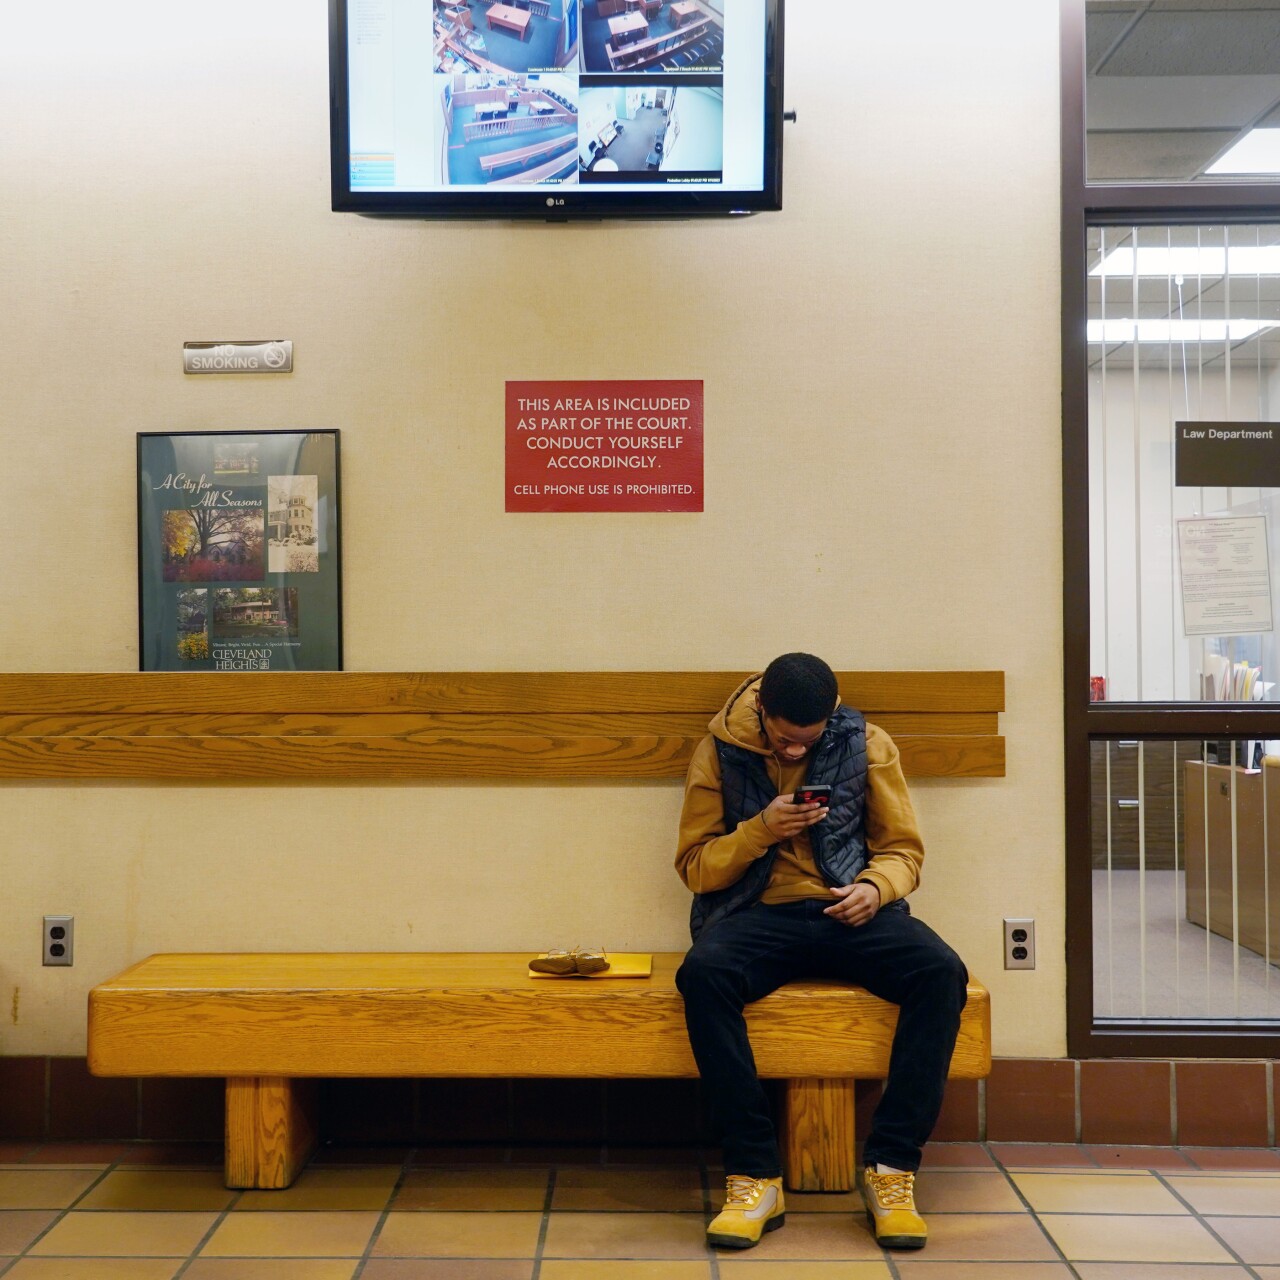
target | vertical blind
[{"x": 1184, "y": 328}]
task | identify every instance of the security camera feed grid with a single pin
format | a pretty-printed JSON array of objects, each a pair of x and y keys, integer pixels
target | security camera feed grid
[
  {"x": 635, "y": 84},
  {"x": 651, "y": 35},
  {"x": 652, "y": 130},
  {"x": 508, "y": 130},
  {"x": 516, "y": 35}
]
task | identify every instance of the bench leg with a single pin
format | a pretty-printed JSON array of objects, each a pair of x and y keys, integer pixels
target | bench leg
[
  {"x": 271, "y": 1130},
  {"x": 817, "y": 1135}
]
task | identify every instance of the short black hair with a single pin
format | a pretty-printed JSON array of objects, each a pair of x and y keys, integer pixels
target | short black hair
[{"x": 799, "y": 688}]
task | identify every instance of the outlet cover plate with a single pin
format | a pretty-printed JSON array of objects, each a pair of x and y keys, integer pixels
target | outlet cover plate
[
  {"x": 59, "y": 936},
  {"x": 1019, "y": 944}
]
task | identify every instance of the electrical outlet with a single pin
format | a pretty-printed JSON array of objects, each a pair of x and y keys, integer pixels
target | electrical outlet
[
  {"x": 59, "y": 934},
  {"x": 1019, "y": 944}
]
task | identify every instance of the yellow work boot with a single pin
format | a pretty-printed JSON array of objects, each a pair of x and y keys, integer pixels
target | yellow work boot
[
  {"x": 752, "y": 1206},
  {"x": 891, "y": 1209}
]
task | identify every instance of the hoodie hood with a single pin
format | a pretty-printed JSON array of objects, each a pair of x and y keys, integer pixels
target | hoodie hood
[{"x": 738, "y": 721}]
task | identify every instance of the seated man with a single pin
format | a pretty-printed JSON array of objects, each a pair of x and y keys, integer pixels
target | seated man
[{"x": 786, "y": 891}]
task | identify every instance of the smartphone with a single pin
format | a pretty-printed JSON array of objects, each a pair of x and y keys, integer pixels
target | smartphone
[{"x": 812, "y": 794}]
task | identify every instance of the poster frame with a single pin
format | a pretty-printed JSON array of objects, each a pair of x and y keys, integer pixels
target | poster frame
[{"x": 150, "y": 570}]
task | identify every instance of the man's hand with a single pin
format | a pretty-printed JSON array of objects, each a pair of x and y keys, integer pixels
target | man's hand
[
  {"x": 858, "y": 902},
  {"x": 785, "y": 819}
]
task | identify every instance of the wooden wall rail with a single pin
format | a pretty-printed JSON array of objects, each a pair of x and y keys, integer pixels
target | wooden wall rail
[{"x": 419, "y": 725}]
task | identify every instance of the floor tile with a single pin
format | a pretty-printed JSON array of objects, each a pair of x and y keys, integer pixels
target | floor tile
[
  {"x": 1242, "y": 1158},
  {"x": 1139, "y": 1158},
  {"x": 825, "y": 1236},
  {"x": 809, "y": 1201},
  {"x": 986, "y": 1237},
  {"x": 1030, "y": 1155},
  {"x": 1131, "y": 1193},
  {"x": 1254, "y": 1239},
  {"x": 926, "y": 1270},
  {"x": 366, "y": 1187},
  {"x": 1157, "y": 1271},
  {"x": 458, "y": 1235},
  {"x": 626, "y": 1235},
  {"x": 956, "y": 1155},
  {"x": 741, "y": 1269},
  {"x": 672, "y": 1190},
  {"x": 1127, "y": 1238},
  {"x": 966, "y": 1191},
  {"x": 1230, "y": 1196},
  {"x": 192, "y": 1190},
  {"x": 616, "y": 1269},
  {"x": 94, "y": 1269},
  {"x": 123, "y": 1235},
  {"x": 493, "y": 1187},
  {"x": 271, "y": 1269},
  {"x": 44, "y": 1188},
  {"x": 19, "y": 1227},
  {"x": 168, "y": 1155},
  {"x": 446, "y": 1269},
  {"x": 1268, "y": 1273},
  {"x": 291, "y": 1234}
]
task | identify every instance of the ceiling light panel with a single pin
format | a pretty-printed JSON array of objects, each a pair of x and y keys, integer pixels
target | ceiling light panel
[
  {"x": 1175, "y": 331},
  {"x": 1191, "y": 261}
]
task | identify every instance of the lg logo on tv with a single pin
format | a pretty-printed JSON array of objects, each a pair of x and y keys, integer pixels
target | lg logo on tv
[{"x": 554, "y": 202}]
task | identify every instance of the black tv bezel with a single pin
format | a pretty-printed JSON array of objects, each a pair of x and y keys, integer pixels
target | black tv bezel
[{"x": 569, "y": 201}]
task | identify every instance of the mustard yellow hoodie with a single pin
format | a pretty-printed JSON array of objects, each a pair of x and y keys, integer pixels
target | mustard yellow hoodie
[{"x": 709, "y": 857}]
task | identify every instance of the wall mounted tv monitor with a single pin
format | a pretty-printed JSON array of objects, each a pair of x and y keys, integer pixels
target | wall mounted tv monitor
[{"x": 556, "y": 108}]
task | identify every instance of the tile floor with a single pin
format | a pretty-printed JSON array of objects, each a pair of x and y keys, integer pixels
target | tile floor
[{"x": 144, "y": 1211}]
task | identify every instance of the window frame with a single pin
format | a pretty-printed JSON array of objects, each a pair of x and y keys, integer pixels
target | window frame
[{"x": 1084, "y": 206}]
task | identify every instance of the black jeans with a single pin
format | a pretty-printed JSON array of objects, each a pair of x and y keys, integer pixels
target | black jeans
[{"x": 754, "y": 951}]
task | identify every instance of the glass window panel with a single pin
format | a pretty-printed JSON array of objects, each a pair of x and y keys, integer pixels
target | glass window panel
[
  {"x": 1186, "y": 881},
  {"x": 1184, "y": 327},
  {"x": 1181, "y": 91}
]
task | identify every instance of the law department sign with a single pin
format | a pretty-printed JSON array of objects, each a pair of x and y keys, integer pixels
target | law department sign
[
  {"x": 1227, "y": 454},
  {"x": 253, "y": 356}
]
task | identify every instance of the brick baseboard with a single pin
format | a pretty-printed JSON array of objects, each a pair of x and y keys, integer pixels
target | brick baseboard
[{"x": 1097, "y": 1101}]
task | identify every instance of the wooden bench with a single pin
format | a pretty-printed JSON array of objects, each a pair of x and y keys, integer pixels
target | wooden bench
[
  {"x": 615, "y": 725},
  {"x": 272, "y": 1024}
]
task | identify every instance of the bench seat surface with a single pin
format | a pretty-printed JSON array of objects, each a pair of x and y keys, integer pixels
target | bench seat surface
[{"x": 466, "y": 1014}]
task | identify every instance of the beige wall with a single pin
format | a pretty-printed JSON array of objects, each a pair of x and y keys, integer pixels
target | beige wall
[{"x": 882, "y": 471}]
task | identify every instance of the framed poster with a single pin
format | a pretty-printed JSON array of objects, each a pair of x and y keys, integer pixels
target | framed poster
[{"x": 238, "y": 551}]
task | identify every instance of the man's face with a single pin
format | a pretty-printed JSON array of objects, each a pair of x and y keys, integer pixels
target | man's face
[{"x": 789, "y": 742}]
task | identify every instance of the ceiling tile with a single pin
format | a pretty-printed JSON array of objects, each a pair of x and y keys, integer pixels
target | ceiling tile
[
  {"x": 1101, "y": 31},
  {"x": 1160, "y": 156},
  {"x": 1228, "y": 42}
]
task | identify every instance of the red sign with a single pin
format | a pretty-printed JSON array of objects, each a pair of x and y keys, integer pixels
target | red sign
[{"x": 604, "y": 446}]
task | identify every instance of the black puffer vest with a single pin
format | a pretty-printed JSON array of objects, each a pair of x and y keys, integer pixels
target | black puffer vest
[{"x": 839, "y": 845}]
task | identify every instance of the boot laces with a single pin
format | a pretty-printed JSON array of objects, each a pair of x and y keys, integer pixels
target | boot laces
[
  {"x": 743, "y": 1189},
  {"x": 893, "y": 1190}
]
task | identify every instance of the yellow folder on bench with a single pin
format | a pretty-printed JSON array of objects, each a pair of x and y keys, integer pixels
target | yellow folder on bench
[{"x": 621, "y": 965}]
